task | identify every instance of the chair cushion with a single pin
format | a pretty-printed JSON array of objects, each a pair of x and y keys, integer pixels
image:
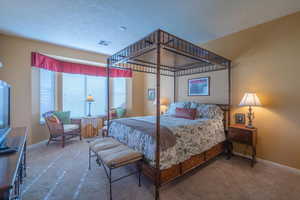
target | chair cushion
[
  {"x": 70, "y": 127},
  {"x": 64, "y": 117},
  {"x": 119, "y": 156},
  {"x": 103, "y": 143}
]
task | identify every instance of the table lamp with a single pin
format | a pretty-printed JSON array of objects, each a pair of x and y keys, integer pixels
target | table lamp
[
  {"x": 250, "y": 99},
  {"x": 164, "y": 102},
  {"x": 90, "y": 99}
]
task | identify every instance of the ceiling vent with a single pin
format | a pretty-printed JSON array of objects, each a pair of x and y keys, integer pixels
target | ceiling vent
[
  {"x": 104, "y": 43},
  {"x": 123, "y": 28}
]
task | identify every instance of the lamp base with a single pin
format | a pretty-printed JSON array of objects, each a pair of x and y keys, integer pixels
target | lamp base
[
  {"x": 89, "y": 115},
  {"x": 250, "y": 126},
  {"x": 250, "y": 118}
]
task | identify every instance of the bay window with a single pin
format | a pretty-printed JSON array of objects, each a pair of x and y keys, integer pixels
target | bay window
[{"x": 73, "y": 90}]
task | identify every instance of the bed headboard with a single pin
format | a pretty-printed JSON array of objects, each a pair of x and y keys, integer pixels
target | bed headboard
[{"x": 226, "y": 110}]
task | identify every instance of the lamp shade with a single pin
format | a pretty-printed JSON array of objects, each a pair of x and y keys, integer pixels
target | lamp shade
[
  {"x": 90, "y": 98},
  {"x": 163, "y": 101},
  {"x": 250, "y": 99}
]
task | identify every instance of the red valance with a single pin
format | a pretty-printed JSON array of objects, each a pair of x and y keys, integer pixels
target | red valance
[{"x": 52, "y": 64}]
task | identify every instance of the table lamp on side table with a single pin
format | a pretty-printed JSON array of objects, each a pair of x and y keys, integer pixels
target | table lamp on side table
[
  {"x": 250, "y": 99},
  {"x": 90, "y": 99},
  {"x": 164, "y": 102}
]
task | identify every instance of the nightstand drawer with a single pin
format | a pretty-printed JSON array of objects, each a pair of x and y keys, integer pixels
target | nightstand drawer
[{"x": 239, "y": 135}]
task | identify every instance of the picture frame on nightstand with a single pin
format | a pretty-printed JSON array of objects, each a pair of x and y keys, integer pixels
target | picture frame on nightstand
[{"x": 240, "y": 118}]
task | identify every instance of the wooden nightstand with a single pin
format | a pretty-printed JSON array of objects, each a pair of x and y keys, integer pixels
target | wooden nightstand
[{"x": 241, "y": 134}]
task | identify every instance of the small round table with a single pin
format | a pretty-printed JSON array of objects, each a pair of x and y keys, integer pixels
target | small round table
[{"x": 91, "y": 126}]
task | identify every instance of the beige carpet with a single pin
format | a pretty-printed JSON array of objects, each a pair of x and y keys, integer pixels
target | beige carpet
[{"x": 62, "y": 174}]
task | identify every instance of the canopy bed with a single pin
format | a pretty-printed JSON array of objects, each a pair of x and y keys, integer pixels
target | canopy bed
[{"x": 166, "y": 147}]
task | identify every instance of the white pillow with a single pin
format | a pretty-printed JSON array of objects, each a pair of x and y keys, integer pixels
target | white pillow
[{"x": 172, "y": 108}]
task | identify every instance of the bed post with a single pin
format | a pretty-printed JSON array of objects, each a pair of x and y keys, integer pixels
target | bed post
[
  {"x": 174, "y": 87},
  {"x": 157, "y": 153},
  {"x": 229, "y": 94},
  {"x": 108, "y": 88}
]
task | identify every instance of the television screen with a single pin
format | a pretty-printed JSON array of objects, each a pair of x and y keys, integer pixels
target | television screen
[{"x": 4, "y": 109}]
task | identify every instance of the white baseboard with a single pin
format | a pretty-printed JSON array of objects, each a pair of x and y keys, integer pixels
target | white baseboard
[
  {"x": 291, "y": 169},
  {"x": 33, "y": 146}
]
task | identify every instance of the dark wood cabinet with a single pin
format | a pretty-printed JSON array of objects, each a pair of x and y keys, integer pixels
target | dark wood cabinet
[
  {"x": 242, "y": 134},
  {"x": 13, "y": 166}
]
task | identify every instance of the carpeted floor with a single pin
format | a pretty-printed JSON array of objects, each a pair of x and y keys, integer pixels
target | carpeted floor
[{"x": 62, "y": 174}]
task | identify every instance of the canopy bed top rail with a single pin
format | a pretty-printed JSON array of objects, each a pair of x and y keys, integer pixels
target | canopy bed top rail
[{"x": 184, "y": 57}]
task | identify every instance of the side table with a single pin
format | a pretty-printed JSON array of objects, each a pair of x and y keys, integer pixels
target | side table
[{"x": 91, "y": 126}]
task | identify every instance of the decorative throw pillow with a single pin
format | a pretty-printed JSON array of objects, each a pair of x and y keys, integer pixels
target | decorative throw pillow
[
  {"x": 173, "y": 106},
  {"x": 194, "y": 105},
  {"x": 120, "y": 112},
  {"x": 209, "y": 111},
  {"x": 53, "y": 119},
  {"x": 64, "y": 117},
  {"x": 187, "y": 113},
  {"x": 113, "y": 113}
]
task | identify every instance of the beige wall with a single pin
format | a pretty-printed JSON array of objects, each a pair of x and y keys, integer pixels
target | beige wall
[
  {"x": 136, "y": 98},
  {"x": 15, "y": 53},
  {"x": 266, "y": 61},
  {"x": 166, "y": 91},
  {"x": 218, "y": 88}
]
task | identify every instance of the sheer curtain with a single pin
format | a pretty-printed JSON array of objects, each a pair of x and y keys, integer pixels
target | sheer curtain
[
  {"x": 47, "y": 92},
  {"x": 119, "y": 92},
  {"x": 75, "y": 90},
  {"x": 73, "y": 94},
  {"x": 96, "y": 86}
]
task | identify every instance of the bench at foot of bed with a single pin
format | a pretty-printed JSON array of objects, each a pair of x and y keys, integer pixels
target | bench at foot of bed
[{"x": 112, "y": 154}]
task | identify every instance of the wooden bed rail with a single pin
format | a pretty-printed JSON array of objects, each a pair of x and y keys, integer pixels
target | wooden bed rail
[{"x": 176, "y": 171}]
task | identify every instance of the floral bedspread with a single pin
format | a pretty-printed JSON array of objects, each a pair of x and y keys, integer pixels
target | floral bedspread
[{"x": 192, "y": 137}]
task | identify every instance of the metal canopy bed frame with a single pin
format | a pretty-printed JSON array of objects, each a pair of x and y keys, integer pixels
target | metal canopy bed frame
[{"x": 164, "y": 54}]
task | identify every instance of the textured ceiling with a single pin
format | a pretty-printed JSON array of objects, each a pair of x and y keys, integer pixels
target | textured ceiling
[{"x": 83, "y": 23}]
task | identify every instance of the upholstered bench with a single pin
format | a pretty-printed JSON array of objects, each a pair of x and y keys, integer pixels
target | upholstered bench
[
  {"x": 101, "y": 144},
  {"x": 112, "y": 154}
]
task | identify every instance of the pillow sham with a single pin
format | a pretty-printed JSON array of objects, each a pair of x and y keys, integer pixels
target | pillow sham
[
  {"x": 172, "y": 108},
  {"x": 209, "y": 111},
  {"x": 186, "y": 113}
]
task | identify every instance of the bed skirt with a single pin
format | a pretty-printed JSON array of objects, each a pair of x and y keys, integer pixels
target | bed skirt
[{"x": 171, "y": 173}]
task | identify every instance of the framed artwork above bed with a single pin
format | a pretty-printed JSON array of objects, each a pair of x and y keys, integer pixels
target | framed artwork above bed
[{"x": 199, "y": 86}]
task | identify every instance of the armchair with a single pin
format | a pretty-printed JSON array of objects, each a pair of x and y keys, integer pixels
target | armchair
[{"x": 62, "y": 132}]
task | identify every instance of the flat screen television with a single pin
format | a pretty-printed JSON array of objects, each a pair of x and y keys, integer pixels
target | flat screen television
[{"x": 4, "y": 111}]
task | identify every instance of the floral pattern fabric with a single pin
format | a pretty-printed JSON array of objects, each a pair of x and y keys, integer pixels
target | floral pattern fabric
[
  {"x": 210, "y": 111},
  {"x": 192, "y": 137}
]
